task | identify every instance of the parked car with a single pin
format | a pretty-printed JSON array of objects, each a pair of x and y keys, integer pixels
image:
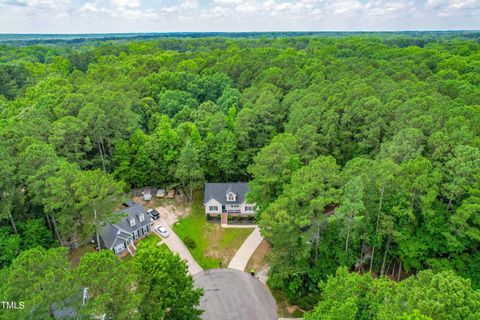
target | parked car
[
  {"x": 160, "y": 193},
  {"x": 163, "y": 232},
  {"x": 153, "y": 214}
]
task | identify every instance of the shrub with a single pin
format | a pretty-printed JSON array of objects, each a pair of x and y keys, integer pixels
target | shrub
[
  {"x": 230, "y": 218},
  {"x": 209, "y": 216},
  {"x": 239, "y": 218},
  {"x": 189, "y": 242}
]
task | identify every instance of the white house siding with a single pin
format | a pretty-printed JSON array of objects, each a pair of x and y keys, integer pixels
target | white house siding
[
  {"x": 233, "y": 208},
  {"x": 230, "y": 208},
  {"x": 244, "y": 209},
  {"x": 213, "y": 203}
]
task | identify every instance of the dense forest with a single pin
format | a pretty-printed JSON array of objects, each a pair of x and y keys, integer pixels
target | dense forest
[{"x": 362, "y": 152}]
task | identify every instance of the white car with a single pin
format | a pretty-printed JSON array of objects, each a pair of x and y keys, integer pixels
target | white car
[{"x": 163, "y": 232}]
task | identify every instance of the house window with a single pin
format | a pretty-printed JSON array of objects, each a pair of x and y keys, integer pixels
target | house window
[
  {"x": 141, "y": 217},
  {"x": 119, "y": 248},
  {"x": 248, "y": 208},
  {"x": 213, "y": 208},
  {"x": 132, "y": 221},
  {"x": 231, "y": 196}
]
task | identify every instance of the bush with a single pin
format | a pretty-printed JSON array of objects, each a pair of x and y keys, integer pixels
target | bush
[
  {"x": 189, "y": 242},
  {"x": 239, "y": 218},
  {"x": 209, "y": 216},
  {"x": 230, "y": 218}
]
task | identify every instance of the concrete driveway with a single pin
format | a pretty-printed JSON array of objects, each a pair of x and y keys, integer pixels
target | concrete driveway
[
  {"x": 234, "y": 295},
  {"x": 175, "y": 244},
  {"x": 241, "y": 257}
]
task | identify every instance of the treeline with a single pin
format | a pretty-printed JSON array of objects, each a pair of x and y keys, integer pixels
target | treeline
[
  {"x": 361, "y": 151},
  {"x": 152, "y": 285},
  {"x": 425, "y": 296}
]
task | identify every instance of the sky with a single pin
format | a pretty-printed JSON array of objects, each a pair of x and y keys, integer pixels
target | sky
[{"x": 105, "y": 16}]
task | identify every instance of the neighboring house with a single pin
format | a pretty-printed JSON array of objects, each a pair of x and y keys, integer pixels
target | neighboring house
[
  {"x": 227, "y": 199},
  {"x": 119, "y": 237}
]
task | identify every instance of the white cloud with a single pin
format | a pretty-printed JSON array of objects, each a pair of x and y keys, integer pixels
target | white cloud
[
  {"x": 227, "y": 2},
  {"x": 136, "y": 14},
  {"x": 345, "y": 7},
  {"x": 235, "y": 15},
  {"x": 386, "y": 9},
  {"x": 452, "y": 8},
  {"x": 182, "y": 6},
  {"x": 126, "y": 3},
  {"x": 38, "y": 4},
  {"x": 88, "y": 7},
  {"x": 465, "y": 4}
]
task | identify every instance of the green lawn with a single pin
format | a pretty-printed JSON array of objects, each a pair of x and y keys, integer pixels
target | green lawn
[
  {"x": 215, "y": 246},
  {"x": 151, "y": 240}
]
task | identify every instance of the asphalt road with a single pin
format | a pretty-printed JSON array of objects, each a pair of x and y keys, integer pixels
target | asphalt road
[{"x": 234, "y": 295}]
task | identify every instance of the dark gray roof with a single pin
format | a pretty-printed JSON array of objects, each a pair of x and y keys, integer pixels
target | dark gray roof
[
  {"x": 219, "y": 191},
  {"x": 122, "y": 229}
]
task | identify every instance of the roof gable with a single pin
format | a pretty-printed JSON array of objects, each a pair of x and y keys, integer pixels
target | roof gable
[
  {"x": 219, "y": 192},
  {"x": 122, "y": 229}
]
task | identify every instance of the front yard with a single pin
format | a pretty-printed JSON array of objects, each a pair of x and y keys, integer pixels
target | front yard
[
  {"x": 214, "y": 246},
  {"x": 152, "y": 240}
]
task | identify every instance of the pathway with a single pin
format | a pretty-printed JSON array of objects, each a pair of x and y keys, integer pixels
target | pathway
[
  {"x": 175, "y": 244},
  {"x": 240, "y": 259}
]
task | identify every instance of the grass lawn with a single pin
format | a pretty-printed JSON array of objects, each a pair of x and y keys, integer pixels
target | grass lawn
[
  {"x": 214, "y": 245},
  {"x": 151, "y": 241}
]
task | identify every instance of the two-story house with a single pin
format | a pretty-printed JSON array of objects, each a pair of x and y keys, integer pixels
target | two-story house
[
  {"x": 120, "y": 237},
  {"x": 227, "y": 199}
]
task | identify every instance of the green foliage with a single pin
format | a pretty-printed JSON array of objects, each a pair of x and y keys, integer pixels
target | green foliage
[
  {"x": 424, "y": 296},
  {"x": 189, "y": 242},
  {"x": 360, "y": 151},
  {"x": 10, "y": 246},
  {"x": 169, "y": 291},
  {"x": 34, "y": 233},
  {"x": 153, "y": 285},
  {"x": 109, "y": 282},
  {"x": 41, "y": 279},
  {"x": 189, "y": 170},
  {"x": 438, "y": 296}
]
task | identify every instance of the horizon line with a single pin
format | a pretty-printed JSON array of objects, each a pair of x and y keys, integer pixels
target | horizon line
[{"x": 253, "y": 31}]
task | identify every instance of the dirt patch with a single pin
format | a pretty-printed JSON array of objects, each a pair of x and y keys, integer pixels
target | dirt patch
[
  {"x": 291, "y": 309},
  {"x": 171, "y": 210},
  {"x": 76, "y": 254},
  {"x": 259, "y": 258}
]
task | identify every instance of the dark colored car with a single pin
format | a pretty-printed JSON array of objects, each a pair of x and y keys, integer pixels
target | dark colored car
[{"x": 153, "y": 214}]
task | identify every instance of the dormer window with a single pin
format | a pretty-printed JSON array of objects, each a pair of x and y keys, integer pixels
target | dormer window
[
  {"x": 132, "y": 221},
  {"x": 141, "y": 217},
  {"x": 231, "y": 196}
]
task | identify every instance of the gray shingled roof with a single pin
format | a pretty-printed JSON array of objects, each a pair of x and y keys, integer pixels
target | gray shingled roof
[
  {"x": 219, "y": 191},
  {"x": 122, "y": 228}
]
